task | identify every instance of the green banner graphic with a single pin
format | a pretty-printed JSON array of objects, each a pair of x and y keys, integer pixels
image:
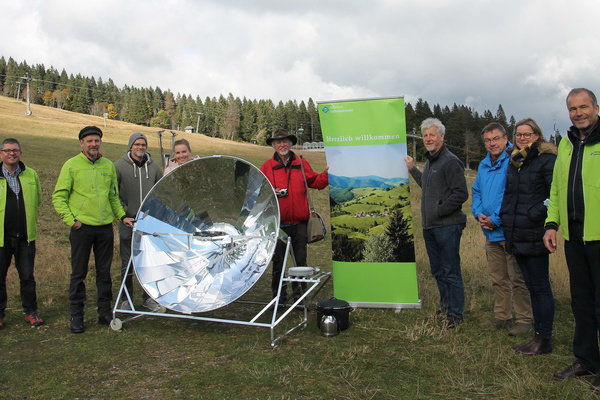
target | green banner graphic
[{"x": 371, "y": 217}]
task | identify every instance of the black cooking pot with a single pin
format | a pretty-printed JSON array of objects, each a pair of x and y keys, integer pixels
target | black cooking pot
[{"x": 340, "y": 309}]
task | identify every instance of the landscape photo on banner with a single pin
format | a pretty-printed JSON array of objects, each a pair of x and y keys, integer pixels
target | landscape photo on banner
[{"x": 371, "y": 216}]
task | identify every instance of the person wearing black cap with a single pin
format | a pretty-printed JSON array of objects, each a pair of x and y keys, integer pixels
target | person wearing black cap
[
  {"x": 285, "y": 175},
  {"x": 86, "y": 197},
  {"x": 137, "y": 173}
]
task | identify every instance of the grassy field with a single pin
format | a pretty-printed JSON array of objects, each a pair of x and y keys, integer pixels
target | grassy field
[{"x": 384, "y": 355}]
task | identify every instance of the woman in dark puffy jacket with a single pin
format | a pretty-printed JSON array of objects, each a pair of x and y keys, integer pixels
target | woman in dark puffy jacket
[{"x": 523, "y": 212}]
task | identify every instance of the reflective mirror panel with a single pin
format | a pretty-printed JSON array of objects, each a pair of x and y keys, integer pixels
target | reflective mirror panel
[{"x": 205, "y": 233}]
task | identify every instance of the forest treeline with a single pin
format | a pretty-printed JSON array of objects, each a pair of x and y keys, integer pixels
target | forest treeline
[{"x": 228, "y": 117}]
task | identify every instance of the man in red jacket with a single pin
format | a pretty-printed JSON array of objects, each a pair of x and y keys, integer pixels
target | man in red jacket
[{"x": 285, "y": 174}]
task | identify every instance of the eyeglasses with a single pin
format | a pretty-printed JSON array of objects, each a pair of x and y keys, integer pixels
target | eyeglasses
[
  {"x": 492, "y": 140},
  {"x": 11, "y": 151},
  {"x": 526, "y": 135}
]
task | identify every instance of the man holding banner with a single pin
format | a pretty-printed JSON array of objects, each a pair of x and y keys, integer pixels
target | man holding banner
[
  {"x": 444, "y": 191},
  {"x": 285, "y": 175}
]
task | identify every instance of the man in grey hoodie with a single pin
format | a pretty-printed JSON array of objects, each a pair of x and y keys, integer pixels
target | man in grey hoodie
[{"x": 137, "y": 173}]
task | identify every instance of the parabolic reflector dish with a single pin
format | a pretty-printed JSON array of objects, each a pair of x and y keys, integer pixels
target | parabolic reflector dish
[{"x": 205, "y": 233}]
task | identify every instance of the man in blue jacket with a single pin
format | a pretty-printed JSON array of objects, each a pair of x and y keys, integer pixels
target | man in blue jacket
[
  {"x": 20, "y": 195},
  {"x": 507, "y": 280}
]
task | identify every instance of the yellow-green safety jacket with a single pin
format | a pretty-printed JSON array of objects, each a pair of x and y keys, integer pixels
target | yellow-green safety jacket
[
  {"x": 87, "y": 192},
  {"x": 32, "y": 193}
]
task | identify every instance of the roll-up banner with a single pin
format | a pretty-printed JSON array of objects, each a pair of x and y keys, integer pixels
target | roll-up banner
[{"x": 371, "y": 217}]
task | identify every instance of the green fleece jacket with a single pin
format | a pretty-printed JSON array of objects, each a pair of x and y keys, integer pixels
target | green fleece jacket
[
  {"x": 558, "y": 208},
  {"x": 87, "y": 192},
  {"x": 32, "y": 195}
]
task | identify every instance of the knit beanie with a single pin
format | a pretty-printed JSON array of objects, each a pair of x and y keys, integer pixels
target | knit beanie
[{"x": 135, "y": 137}]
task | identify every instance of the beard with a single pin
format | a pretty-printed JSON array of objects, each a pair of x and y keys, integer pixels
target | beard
[
  {"x": 138, "y": 154},
  {"x": 283, "y": 153}
]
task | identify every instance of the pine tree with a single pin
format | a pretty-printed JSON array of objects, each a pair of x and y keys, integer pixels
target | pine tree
[
  {"x": 2, "y": 73},
  {"x": 501, "y": 117},
  {"x": 315, "y": 123},
  {"x": 398, "y": 231},
  {"x": 231, "y": 126}
]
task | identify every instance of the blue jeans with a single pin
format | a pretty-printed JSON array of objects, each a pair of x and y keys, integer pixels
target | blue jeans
[
  {"x": 443, "y": 249},
  {"x": 536, "y": 272}
]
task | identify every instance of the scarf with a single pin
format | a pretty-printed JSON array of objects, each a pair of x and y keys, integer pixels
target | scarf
[{"x": 517, "y": 157}]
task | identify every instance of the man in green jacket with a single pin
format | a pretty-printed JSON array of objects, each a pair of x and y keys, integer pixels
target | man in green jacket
[
  {"x": 20, "y": 194},
  {"x": 86, "y": 197},
  {"x": 137, "y": 173},
  {"x": 575, "y": 206}
]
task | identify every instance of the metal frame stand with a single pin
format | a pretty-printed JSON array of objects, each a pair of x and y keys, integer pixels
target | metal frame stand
[{"x": 315, "y": 284}]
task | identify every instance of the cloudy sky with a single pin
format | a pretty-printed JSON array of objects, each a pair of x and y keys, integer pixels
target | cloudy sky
[{"x": 525, "y": 55}]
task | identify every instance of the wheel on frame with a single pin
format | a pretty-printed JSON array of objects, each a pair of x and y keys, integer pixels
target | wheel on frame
[{"x": 116, "y": 324}]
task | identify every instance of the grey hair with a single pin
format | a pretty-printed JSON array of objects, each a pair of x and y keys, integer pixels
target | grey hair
[
  {"x": 583, "y": 90},
  {"x": 430, "y": 122}
]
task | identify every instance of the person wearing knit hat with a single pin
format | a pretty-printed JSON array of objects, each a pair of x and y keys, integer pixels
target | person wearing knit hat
[
  {"x": 137, "y": 173},
  {"x": 133, "y": 138},
  {"x": 89, "y": 211}
]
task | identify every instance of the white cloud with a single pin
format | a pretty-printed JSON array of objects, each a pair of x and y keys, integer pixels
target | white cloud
[{"x": 523, "y": 55}]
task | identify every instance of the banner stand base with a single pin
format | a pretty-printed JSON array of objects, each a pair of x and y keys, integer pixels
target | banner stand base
[{"x": 397, "y": 306}]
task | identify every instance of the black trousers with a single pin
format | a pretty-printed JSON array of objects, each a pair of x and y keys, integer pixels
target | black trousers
[
  {"x": 297, "y": 233},
  {"x": 24, "y": 258},
  {"x": 125, "y": 236},
  {"x": 583, "y": 260},
  {"x": 98, "y": 239}
]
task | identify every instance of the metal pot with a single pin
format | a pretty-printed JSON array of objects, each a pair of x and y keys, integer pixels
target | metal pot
[
  {"x": 329, "y": 326},
  {"x": 340, "y": 309}
]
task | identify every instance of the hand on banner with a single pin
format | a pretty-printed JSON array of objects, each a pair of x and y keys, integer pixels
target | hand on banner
[{"x": 410, "y": 162}]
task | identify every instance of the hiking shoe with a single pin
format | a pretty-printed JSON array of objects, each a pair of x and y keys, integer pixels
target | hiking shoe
[
  {"x": 1, "y": 323},
  {"x": 77, "y": 324},
  {"x": 452, "y": 322},
  {"x": 536, "y": 346},
  {"x": 151, "y": 305},
  {"x": 496, "y": 323},
  {"x": 125, "y": 305},
  {"x": 34, "y": 320},
  {"x": 520, "y": 328},
  {"x": 439, "y": 315},
  {"x": 575, "y": 370},
  {"x": 105, "y": 319}
]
